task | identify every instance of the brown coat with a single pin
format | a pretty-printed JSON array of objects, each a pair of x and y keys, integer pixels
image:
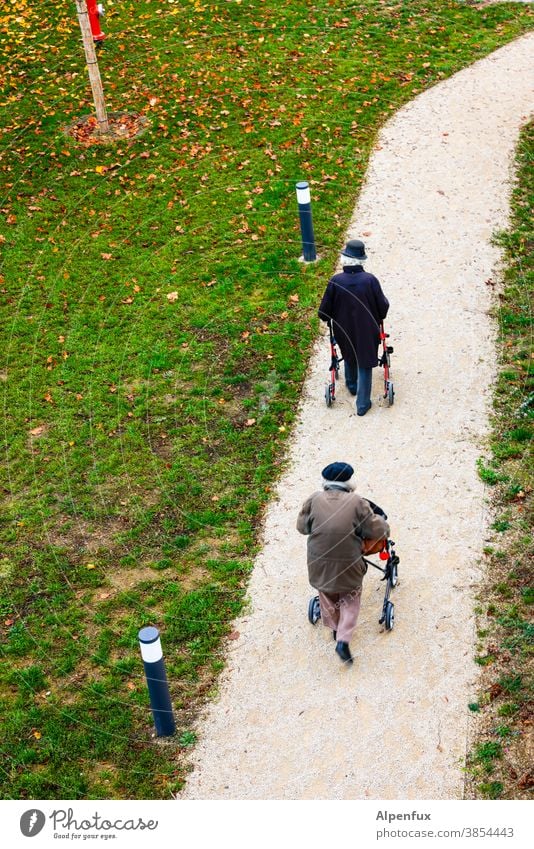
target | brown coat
[{"x": 335, "y": 522}]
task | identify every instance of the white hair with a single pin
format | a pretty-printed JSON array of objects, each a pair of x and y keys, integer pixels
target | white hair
[
  {"x": 349, "y": 485},
  {"x": 350, "y": 260}
]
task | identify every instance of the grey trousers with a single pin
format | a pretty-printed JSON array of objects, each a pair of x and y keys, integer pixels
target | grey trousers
[
  {"x": 339, "y": 612},
  {"x": 359, "y": 382}
]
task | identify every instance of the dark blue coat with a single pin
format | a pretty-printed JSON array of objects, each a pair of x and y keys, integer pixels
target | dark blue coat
[{"x": 356, "y": 304}]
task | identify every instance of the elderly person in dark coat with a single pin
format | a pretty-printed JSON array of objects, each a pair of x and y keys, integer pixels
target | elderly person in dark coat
[
  {"x": 337, "y": 521},
  {"x": 356, "y": 304}
]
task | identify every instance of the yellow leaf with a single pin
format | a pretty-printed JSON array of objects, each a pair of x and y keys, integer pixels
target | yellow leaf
[{"x": 89, "y": 565}]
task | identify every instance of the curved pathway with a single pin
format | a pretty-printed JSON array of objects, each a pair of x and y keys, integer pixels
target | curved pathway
[{"x": 290, "y": 721}]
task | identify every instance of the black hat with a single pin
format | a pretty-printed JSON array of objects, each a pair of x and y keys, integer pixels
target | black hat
[
  {"x": 341, "y": 472},
  {"x": 355, "y": 249}
]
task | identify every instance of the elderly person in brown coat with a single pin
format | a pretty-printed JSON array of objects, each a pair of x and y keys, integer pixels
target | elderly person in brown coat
[{"x": 340, "y": 525}]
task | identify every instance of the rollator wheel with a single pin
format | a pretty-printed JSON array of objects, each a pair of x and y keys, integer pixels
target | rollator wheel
[
  {"x": 391, "y": 393},
  {"x": 390, "y": 615},
  {"x": 328, "y": 395},
  {"x": 394, "y": 575},
  {"x": 314, "y": 610}
]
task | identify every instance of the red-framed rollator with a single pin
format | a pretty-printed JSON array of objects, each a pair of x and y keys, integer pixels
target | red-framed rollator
[
  {"x": 385, "y": 362},
  {"x": 335, "y": 360}
]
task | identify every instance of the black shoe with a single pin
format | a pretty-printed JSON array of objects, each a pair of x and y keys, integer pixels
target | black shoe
[
  {"x": 334, "y": 634},
  {"x": 363, "y": 412},
  {"x": 342, "y": 649},
  {"x": 351, "y": 390}
]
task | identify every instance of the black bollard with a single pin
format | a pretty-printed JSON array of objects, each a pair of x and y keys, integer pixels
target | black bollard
[
  {"x": 156, "y": 679},
  {"x": 309, "y": 253}
]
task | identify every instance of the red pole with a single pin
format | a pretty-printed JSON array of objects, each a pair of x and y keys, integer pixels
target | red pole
[{"x": 94, "y": 19}]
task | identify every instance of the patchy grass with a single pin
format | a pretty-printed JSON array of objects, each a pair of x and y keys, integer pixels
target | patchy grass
[
  {"x": 506, "y": 629},
  {"x": 155, "y": 330}
]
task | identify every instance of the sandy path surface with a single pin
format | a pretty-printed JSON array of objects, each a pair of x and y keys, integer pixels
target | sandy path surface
[{"x": 290, "y": 721}]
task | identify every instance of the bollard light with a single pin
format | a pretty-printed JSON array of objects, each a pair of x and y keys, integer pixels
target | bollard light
[
  {"x": 309, "y": 253},
  {"x": 156, "y": 679}
]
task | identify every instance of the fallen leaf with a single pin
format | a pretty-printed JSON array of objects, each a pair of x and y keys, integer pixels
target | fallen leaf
[
  {"x": 527, "y": 780},
  {"x": 172, "y": 297},
  {"x": 234, "y": 635},
  {"x": 250, "y": 422}
]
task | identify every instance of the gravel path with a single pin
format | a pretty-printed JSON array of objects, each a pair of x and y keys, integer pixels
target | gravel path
[{"x": 290, "y": 721}]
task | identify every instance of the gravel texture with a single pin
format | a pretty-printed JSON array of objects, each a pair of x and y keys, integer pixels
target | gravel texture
[{"x": 290, "y": 721}]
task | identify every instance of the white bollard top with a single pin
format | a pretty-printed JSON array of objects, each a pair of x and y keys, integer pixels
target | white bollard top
[
  {"x": 150, "y": 644},
  {"x": 303, "y": 192}
]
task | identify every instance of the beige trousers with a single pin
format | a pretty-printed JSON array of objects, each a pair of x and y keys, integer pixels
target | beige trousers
[{"x": 339, "y": 612}]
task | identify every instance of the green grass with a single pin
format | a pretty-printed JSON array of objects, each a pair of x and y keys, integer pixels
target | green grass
[
  {"x": 143, "y": 434},
  {"x": 491, "y": 789},
  {"x": 507, "y": 681}
]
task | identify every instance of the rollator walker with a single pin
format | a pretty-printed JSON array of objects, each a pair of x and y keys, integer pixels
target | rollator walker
[
  {"x": 335, "y": 360},
  {"x": 390, "y": 571}
]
